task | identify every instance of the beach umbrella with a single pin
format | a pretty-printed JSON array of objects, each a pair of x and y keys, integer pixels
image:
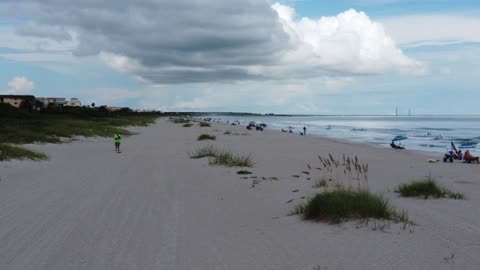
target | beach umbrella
[
  {"x": 399, "y": 138},
  {"x": 453, "y": 147}
]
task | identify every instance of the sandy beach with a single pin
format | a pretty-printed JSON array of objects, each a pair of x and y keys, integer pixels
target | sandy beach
[{"x": 153, "y": 207}]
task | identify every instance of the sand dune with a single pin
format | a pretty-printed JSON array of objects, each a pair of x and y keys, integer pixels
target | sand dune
[{"x": 152, "y": 207}]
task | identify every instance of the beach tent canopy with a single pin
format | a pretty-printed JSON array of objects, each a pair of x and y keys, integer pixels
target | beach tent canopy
[
  {"x": 467, "y": 145},
  {"x": 399, "y": 138}
]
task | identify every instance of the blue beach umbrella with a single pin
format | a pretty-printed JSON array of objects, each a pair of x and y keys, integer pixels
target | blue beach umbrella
[{"x": 399, "y": 138}]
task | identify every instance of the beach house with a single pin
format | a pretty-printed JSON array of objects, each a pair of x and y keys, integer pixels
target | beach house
[
  {"x": 73, "y": 102},
  {"x": 16, "y": 100},
  {"x": 52, "y": 101}
]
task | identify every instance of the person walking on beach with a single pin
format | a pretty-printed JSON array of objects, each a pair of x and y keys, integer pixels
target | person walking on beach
[
  {"x": 117, "y": 139},
  {"x": 304, "y": 130}
]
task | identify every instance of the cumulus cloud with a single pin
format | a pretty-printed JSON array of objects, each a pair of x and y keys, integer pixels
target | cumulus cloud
[
  {"x": 20, "y": 86},
  {"x": 347, "y": 43},
  {"x": 188, "y": 41}
]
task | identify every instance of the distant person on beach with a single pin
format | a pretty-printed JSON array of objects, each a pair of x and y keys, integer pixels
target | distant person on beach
[
  {"x": 450, "y": 155},
  {"x": 459, "y": 154},
  {"x": 394, "y": 146},
  {"x": 117, "y": 139},
  {"x": 469, "y": 158},
  {"x": 304, "y": 130}
]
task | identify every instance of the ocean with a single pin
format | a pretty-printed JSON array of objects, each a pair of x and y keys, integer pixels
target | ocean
[{"x": 426, "y": 133}]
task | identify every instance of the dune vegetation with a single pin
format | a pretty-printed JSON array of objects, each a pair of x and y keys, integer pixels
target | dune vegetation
[{"x": 51, "y": 125}]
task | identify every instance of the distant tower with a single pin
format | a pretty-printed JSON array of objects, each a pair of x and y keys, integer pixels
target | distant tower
[
  {"x": 409, "y": 113},
  {"x": 396, "y": 111}
]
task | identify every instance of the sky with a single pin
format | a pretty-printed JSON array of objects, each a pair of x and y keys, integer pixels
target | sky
[{"x": 261, "y": 56}]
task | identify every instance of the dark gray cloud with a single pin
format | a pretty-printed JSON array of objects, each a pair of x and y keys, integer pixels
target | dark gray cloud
[
  {"x": 172, "y": 41},
  {"x": 43, "y": 31}
]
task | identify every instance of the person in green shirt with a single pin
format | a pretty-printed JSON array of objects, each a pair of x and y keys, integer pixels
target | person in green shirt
[{"x": 117, "y": 139}]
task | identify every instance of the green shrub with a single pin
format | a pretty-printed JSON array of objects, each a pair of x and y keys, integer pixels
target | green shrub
[
  {"x": 204, "y": 124},
  {"x": 50, "y": 128},
  {"x": 206, "y": 137},
  {"x": 426, "y": 188},
  {"x": 244, "y": 172},
  {"x": 346, "y": 204},
  {"x": 187, "y": 125}
]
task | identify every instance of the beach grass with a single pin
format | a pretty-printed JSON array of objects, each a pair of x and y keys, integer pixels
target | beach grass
[
  {"x": 222, "y": 157},
  {"x": 227, "y": 158},
  {"x": 426, "y": 188},
  {"x": 204, "y": 124},
  {"x": 207, "y": 151},
  {"x": 320, "y": 183},
  {"x": 188, "y": 125},
  {"x": 206, "y": 137},
  {"x": 244, "y": 172},
  {"x": 342, "y": 205},
  {"x": 228, "y": 132},
  {"x": 8, "y": 152},
  {"x": 51, "y": 127}
]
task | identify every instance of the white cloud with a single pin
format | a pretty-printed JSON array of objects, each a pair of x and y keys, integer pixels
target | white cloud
[
  {"x": 347, "y": 43},
  {"x": 433, "y": 30},
  {"x": 272, "y": 96},
  {"x": 20, "y": 86},
  {"x": 118, "y": 62}
]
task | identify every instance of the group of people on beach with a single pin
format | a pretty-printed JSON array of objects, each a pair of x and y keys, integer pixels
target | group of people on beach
[
  {"x": 257, "y": 127},
  {"x": 457, "y": 155},
  {"x": 291, "y": 131}
]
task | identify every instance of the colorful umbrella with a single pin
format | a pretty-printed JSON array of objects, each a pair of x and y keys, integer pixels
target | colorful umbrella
[{"x": 399, "y": 138}]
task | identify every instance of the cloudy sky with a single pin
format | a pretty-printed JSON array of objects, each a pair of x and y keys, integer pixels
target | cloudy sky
[{"x": 308, "y": 57}]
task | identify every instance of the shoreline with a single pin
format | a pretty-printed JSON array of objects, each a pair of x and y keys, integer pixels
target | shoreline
[
  {"x": 427, "y": 135},
  {"x": 427, "y": 154}
]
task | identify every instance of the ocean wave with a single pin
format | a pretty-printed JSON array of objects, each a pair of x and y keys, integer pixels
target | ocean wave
[
  {"x": 435, "y": 129},
  {"x": 467, "y": 140},
  {"x": 431, "y": 145}
]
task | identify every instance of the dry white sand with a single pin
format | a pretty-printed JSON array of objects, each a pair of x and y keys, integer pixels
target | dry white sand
[{"x": 152, "y": 207}]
